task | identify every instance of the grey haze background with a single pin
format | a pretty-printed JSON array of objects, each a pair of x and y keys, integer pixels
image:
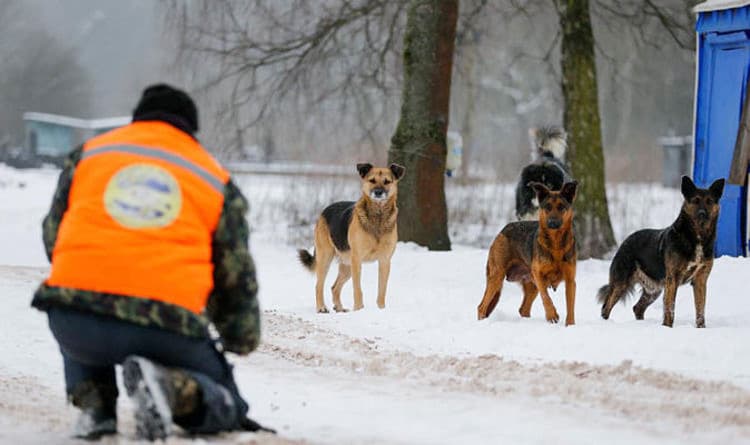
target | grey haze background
[
  {"x": 112, "y": 49},
  {"x": 122, "y": 44}
]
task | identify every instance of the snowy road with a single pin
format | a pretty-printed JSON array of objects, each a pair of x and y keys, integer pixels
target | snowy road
[{"x": 364, "y": 378}]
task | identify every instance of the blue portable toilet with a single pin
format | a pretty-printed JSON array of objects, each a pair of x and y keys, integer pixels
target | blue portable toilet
[{"x": 723, "y": 68}]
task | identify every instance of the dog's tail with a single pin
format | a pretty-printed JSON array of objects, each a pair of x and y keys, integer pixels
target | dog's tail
[
  {"x": 620, "y": 287},
  {"x": 609, "y": 295},
  {"x": 552, "y": 140},
  {"x": 603, "y": 293},
  {"x": 306, "y": 259},
  {"x": 603, "y": 296}
]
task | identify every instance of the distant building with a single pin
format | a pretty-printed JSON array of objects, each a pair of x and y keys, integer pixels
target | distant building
[{"x": 50, "y": 137}]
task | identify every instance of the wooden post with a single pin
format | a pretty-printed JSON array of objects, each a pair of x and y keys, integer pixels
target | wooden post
[{"x": 738, "y": 170}]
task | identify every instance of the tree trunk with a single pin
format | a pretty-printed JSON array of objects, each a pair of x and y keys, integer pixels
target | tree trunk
[
  {"x": 419, "y": 141},
  {"x": 593, "y": 229},
  {"x": 470, "y": 108}
]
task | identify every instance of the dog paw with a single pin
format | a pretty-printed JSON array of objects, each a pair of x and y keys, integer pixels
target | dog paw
[
  {"x": 340, "y": 309},
  {"x": 667, "y": 323},
  {"x": 700, "y": 323},
  {"x": 323, "y": 310},
  {"x": 553, "y": 317},
  {"x": 639, "y": 312},
  {"x": 524, "y": 313},
  {"x": 381, "y": 304},
  {"x": 569, "y": 322},
  {"x": 481, "y": 314},
  {"x": 358, "y": 307}
]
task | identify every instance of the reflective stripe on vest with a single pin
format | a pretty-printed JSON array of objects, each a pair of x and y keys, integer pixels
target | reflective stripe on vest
[
  {"x": 143, "y": 205},
  {"x": 164, "y": 155}
]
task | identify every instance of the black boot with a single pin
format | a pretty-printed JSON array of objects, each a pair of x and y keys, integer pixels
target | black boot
[
  {"x": 94, "y": 423},
  {"x": 98, "y": 415},
  {"x": 159, "y": 394}
]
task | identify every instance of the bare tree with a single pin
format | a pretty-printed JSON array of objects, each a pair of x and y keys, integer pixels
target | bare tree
[
  {"x": 468, "y": 122},
  {"x": 594, "y": 234},
  {"x": 581, "y": 115},
  {"x": 419, "y": 141},
  {"x": 580, "y": 91},
  {"x": 347, "y": 53},
  {"x": 268, "y": 58},
  {"x": 342, "y": 58}
]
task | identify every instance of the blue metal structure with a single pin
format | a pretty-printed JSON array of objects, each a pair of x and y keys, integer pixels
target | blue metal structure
[{"x": 723, "y": 68}]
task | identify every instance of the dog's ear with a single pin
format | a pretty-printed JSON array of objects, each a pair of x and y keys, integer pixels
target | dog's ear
[
  {"x": 716, "y": 189},
  {"x": 364, "y": 169},
  {"x": 568, "y": 191},
  {"x": 397, "y": 170},
  {"x": 688, "y": 187},
  {"x": 540, "y": 189}
]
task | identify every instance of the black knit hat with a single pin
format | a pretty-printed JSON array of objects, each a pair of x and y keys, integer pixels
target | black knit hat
[{"x": 166, "y": 103}]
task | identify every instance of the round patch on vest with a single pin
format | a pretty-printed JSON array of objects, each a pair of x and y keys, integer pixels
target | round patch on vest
[{"x": 143, "y": 196}]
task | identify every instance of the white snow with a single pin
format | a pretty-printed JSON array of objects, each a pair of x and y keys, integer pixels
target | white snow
[{"x": 423, "y": 370}]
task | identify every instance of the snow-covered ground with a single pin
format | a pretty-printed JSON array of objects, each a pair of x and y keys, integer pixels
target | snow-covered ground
[{"x": 423, "y": 370}]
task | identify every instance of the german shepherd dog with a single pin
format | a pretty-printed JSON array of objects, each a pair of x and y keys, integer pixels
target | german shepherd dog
[
  {"x": 548, "y": 168},
  {"x": 666, "y": 259},
  {"x": 538, "y": 254},
  {"x": 357, "y": 232}
]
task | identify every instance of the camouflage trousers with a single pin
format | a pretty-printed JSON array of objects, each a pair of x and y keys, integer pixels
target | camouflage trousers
[{"x": 92, "y": 345}]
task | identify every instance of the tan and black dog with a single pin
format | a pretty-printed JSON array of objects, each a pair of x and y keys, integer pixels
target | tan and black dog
[
  {"x": 538, "y": 254},
  {"x": 668, "y": 258},
  {"x": 357, "y": 232}
]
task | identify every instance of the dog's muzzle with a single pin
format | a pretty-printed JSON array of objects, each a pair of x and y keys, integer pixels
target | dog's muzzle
[
  {"x": 702, "y": 214},
  {"x": 379, "y": 194},
  {"x": 554, "y": 223}
]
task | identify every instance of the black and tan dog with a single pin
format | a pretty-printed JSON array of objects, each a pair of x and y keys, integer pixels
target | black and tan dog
[
  {"x": 357, "y": 232},
  {"x": 538, "y": 254},
  {"x": 666, "y": 259}
]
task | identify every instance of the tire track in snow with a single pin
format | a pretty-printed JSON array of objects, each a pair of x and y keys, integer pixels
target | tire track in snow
[
  {"x": 26, "y": 400},
  {"x": 662, "y": 399}
]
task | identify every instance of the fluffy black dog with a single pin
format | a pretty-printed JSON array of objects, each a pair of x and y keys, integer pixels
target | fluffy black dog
[
  {"x": 548, "y": 168},
  {"x": 668, "y": 258}
]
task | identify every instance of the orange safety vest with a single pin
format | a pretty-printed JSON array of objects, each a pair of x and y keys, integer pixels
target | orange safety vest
[{"x": 143, "y": 206}]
